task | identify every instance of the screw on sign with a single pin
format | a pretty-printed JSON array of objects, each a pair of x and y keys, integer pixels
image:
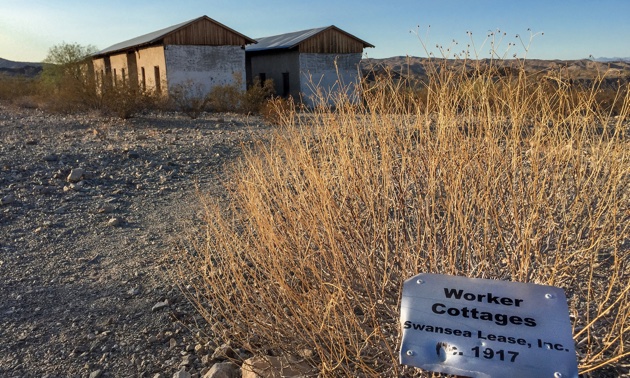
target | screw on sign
[{"x": 471, "y": 327}]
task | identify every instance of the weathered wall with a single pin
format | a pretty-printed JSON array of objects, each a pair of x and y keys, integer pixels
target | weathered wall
[
  {"x": 205, "y": 66},
  {"x": 273, "y": 65},
  {"x": 327, "y": 74},
  {"x": 100, "y": 70},
  {"x": 148, "y": 59},
  {"x": 99, "y": 66},
  {"x": 119, "y": 65},
  {"x": 102, "y": 73}
]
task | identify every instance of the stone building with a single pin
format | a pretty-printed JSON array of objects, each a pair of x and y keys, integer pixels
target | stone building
[
  {"x": 202, "y": 51},
  {"x": 308, "y": 64}
]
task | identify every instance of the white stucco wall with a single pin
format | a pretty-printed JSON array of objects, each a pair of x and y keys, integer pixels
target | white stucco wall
[
  {"x": 328, "y": 74},
  {"x": 204, "y": 66}
]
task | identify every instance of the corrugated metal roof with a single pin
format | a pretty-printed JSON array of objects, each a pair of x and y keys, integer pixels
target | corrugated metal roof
[
  {"x": 284, "y": 41},
  {"x": 155, "y": 36},
  {"x": 291, "y": 40}
]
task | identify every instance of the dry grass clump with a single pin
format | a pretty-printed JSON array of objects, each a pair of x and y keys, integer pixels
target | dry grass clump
[
  {"x": 127, "y": 100},
  {"x": 484, "y": 176},
  {"x": 231, "y": 98},
  {"x": 192, "y": 98},
  {"x": 18, "y": 90}
]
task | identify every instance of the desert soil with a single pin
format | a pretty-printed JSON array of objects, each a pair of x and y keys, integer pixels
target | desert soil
[{"x": 84, "y": 283}]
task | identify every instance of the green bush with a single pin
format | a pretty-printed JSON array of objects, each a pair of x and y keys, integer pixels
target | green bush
[{"x": 67, "y": 81}]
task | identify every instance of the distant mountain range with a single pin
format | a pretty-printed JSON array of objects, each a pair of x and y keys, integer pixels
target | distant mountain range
[
  {"x": 580, "y": 71},
  {"x": 11, "y": 68},
  {"x": 415, "y": 67},
  {"x": 615, "y": 59}
]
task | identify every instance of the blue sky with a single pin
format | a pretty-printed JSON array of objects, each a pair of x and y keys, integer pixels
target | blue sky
[{"x": 572, "y": 29}]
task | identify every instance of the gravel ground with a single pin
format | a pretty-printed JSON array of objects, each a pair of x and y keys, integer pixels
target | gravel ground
[{"x": 89, "y": 206}]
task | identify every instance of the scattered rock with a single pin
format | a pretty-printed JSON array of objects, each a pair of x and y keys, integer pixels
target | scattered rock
[
  {"x": 85, "y": 283},
  {"x": 223, "y": 370},
  {"x": 62, "y": 209},
  {"x": 75, "y": 175},
  {"x": 206, "y": 359},
  {"x": 160, "y": 305},
  {"x": 77, "y": 185},
  {"x": 187, "y": 361},
  {"x": 115, "y": 222},
  {"x": 224, "y": 352},
  {"x": 106, "y": 208},
  {"x": 199, "y": 348},
  {"x": 133, "y": 154},
  {"x": 96, "y": 374},
  {"x": 306, "y": 353},
  {"x": 182, "y": 374},
  {"x": 7, "y": 200}
]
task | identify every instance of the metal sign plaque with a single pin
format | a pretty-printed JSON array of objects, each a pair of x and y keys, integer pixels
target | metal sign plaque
[{"x": 485, "y": 328}]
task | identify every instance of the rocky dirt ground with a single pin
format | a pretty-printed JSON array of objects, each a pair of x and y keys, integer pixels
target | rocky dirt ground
[{"x": 84, "y": 289}]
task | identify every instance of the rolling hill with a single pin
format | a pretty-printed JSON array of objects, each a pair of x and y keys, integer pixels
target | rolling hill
[
  {"x": 581, "y": 71},
  {"x": 11, "y": 68}
]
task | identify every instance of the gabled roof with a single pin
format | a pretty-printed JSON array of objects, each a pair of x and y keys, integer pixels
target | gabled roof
[
  {"x": 156, "y": 36},
  {"x": 291, "y": 40}
]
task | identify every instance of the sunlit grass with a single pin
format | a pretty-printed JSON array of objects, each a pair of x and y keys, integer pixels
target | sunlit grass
[{"x": 480, "y": 175}]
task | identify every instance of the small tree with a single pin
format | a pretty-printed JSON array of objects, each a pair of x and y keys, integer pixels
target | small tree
[{"x": 68, "y": 76}]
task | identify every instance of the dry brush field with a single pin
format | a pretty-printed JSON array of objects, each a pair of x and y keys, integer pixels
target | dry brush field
[{"x": 294, "y": 240}]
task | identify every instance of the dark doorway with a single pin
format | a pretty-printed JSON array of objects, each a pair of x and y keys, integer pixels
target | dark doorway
[
  {"x": 286, "y": 86},
  {"x": 158, "y": 79}
]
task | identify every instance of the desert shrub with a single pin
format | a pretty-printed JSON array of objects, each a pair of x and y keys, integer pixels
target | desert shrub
[
  {"x": 232, "y": 98},
  {"x": 190, "y": 98},
  {"x": 227, "y": 97},
  {"x": 257, "y": 95},
  {"x": 126, "y": 100},
  {"x": 276, "y": 110},
  {"x": 17, "y": 89},
  {"x": 328, "y": 219}
]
